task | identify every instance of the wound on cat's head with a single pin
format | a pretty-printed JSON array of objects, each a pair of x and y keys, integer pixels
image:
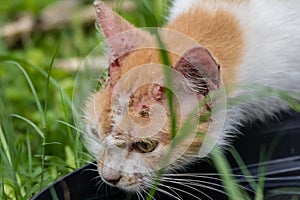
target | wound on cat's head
[{"x": 129, "y": 119}]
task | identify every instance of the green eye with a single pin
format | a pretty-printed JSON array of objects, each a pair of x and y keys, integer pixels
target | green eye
[{"x": 145, "y": 147}]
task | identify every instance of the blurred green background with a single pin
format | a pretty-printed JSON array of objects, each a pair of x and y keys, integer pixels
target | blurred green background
[{"x": 41, "y": 45}]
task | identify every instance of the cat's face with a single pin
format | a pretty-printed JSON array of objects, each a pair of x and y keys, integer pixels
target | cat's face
[{"x": 132, "y": 131}]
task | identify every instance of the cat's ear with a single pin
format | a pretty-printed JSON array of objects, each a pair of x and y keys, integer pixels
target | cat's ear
[
  {"x": 121, "y": 36},
  {"x": 110, "y": 22},
  {"x": 200, "y": 69}
]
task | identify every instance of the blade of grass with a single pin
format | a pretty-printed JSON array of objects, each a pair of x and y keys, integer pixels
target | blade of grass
[
  {"x": 39, "y": 107},
  {"x": 243, "y": 168},
  {"x": 32, "y": 88},
  {"x": 223, "y": 168},
  {"x": 29, "y": 157},
  {"x": 71, "y": 126},
  {"x": 53, "y": 193},
  {"x": 45, "y": 129},
  {"x": 15, "y": 176},
  {"x": 70, "y": 158},
  {"x": 265, "y": 154},
  {"x": 261, "y": 171},
  {"x": 185, "y": 130},
  {"x": 2, "y": 187},
  {"x": 285, "y": 190},
  {"x": 49, "y": 74},
  {"x": 36, "y": 128},
  {"x": 5, "y": 146},
  {"x": 168, "y": 82},
  {"x": 77, "y": 142},
  {"x": 38, "y": 69}
]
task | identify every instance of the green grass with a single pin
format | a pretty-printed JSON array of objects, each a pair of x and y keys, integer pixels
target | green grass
[
  {"x": 36, "y": 150},
  {"x": 35, "y": 97}
]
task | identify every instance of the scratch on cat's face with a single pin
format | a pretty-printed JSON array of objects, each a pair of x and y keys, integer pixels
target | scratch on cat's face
[
  {"x": 130, "y": 149},
  {"x": 131, "y": 125},
  {"x": 129, "y": 122}
]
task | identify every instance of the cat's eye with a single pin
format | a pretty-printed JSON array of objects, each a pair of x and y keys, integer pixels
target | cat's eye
[{"x": 145, "y": 147}]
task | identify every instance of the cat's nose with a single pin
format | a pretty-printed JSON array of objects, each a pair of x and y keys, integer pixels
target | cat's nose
[
  {"x": 110, "y": 175},
  {"x": 113, "y": 181}
]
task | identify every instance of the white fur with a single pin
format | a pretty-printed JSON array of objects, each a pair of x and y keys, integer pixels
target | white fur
[
  {"x": 271, "y": 30},
  {"x": 272, "y": 35}
]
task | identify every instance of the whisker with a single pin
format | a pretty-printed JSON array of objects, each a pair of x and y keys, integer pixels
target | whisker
[
  {"x": 97, "y": 177},
  {"x": 210, "y": 178},
  {"x": 148, "y": 194},
  {"x": 167, "y": 193},
  {"x": 90, "y": 170},
  {"x": 106, "y": 187},
  {"x": 196, "y": 183},
  {"x": 90, "y": 162},
  {"x": 100, "y": 185},
  {"x": 180, "y": 190},
  {"x": 144, "y": 192},
  {"x": 137, "y": 192},
  {"x": 141, "y": 194},
  {"x": 189, "y": 185},
  {"x": 86, "y": 161},
  {"x": 174, "y": 192},
  {"x": 208, "y": 174},
  {"x": 99, "y": 182}
]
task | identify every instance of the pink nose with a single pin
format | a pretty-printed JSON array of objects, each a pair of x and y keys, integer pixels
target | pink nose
[{"x": 110, "y": 175}]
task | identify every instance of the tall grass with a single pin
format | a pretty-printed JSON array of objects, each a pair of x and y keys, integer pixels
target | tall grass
[
  {"x": 24, "y": 174},
  {"x": 37, "y": 145}
]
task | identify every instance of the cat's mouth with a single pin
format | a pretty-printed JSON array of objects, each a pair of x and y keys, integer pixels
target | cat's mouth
[
  {"x": 131, "y": 187},
  {"x": 131, "y": 183}
]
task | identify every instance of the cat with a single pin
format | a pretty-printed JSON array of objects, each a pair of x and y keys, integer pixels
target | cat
[{"x": 236, "y": 46}]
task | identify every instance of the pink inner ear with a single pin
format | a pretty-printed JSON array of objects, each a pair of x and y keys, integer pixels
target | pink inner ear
[
  {"x": 110, "y": 22},
  {"x": 121, "y": 36},
  {"x": 200, "y": 69},
  {"x": 112, "y": 26}
]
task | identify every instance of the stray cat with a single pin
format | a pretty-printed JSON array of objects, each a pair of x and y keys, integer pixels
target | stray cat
[{"x": 243, "y": 46}]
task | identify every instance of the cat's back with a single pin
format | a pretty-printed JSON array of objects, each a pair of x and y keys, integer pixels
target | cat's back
[
  {"x": 272, "y": 7},
  {"x": 270, "y": 30},
  {"x": 182, "y": 6}
]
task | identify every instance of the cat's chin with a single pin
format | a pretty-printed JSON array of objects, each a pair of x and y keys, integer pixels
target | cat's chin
[
  {"x": 128, "y": 184},
  {"x": 131, "y": 188}
]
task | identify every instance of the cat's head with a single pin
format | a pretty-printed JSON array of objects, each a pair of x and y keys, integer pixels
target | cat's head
[{"x": 131, "y": 129}]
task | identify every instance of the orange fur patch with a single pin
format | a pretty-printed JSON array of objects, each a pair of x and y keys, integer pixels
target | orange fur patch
[
  {"x": 219, "y": 32},
  {"x": 99, "y": 108}
]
